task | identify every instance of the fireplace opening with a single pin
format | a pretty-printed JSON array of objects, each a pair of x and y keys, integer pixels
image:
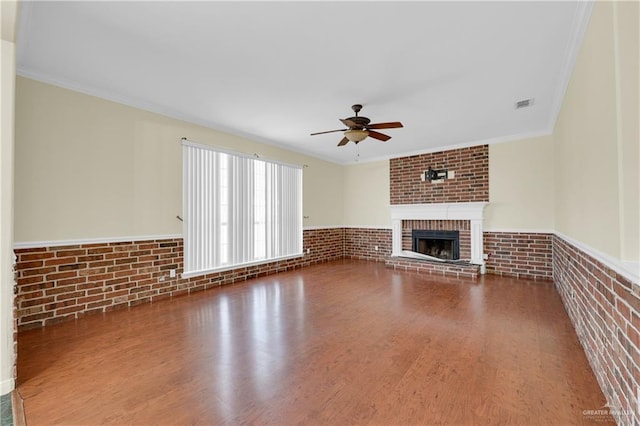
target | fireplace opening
[{"x": 441, "y": 244}]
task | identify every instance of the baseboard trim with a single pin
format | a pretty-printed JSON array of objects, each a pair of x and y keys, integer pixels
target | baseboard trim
[
  {"x": 7, "y": 386},
  {"x": 17, "y": 408}
]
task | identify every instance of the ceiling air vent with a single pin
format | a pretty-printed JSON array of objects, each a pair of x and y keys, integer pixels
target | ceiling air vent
[{"x": 524, "y": 103}]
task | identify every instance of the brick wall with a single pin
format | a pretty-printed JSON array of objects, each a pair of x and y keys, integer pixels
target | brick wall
[
  {"x": 360, "y": 243},
  {"x": 471, "y": 182},
  {"x": 604, "y": 308},
  {"x": 59, "y": 283},
  {"x": 67, "y": 282},
  {"x": 325, "y": 244},
  {"x": 518, "y": 254},
  {"x": 464, "y": 226}
]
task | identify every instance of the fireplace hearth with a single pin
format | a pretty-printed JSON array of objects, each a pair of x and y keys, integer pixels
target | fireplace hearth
[{"x": 441, "y": 244}]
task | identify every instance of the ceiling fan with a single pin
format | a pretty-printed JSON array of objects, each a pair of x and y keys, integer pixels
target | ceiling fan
[{"x": 358, "y": 128}]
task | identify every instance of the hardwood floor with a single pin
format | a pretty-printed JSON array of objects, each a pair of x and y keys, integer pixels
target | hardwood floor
[{"x": 348, "y": 342}]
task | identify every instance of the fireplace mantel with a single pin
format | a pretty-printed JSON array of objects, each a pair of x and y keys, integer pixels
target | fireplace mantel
[{"x": 473, "y": 212}]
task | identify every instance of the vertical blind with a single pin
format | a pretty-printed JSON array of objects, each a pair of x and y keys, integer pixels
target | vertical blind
[{"x": 238, "y": 210}]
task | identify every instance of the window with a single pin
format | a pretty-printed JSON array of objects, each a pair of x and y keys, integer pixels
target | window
[{"x": 238, "y": 210}]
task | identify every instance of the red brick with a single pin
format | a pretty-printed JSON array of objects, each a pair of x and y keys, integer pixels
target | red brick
[
  {"x": 36, "y": 317},
  {"x": 72, "y": 295},
  {"x": 88, "y": 299},
  {"x": 99, "y": 249},
  {"x": 35, "y": 256},
  {"x": 101, "y": 303},
  {"x": 99, "y": 277},
  {"x": 61, "y": 261},
  {"x": 69, "y": 310},
  {"x": 69, "y": 281},
  {"x": 29, "y": 265},
  {"x": 100, "y": 263},
  {"x": 60, "y": 290},
  {"x": 118, "y": 293},
  {"x": 37, "y": 271},
  {"x": 31, "y": 295},
  {"x": 116, "y": 255},
  {"x": 30, "y": 280},
  {"x": 61, "y": 275},
  {"x": 33, "y": 287},
  {"x": 92, "y": 271},
  {"x": 67, "y": 253},
  {"x": 33, "y": 302}
]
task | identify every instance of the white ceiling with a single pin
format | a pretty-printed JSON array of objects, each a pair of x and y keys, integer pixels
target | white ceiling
[{"x": 276, "y": 71}]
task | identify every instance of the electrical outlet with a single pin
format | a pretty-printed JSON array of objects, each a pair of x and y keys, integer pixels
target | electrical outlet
[
  {"x": 375, "y": 248},
  {"x": 308, "y": 250},
  {"x": 172, "y": 273}
]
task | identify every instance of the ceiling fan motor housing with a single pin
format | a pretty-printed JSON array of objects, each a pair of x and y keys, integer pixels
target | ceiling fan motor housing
[{"x": 360, "y": 121}]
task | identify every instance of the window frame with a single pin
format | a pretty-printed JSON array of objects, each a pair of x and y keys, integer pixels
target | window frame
[{"x": 248, "y": 188}]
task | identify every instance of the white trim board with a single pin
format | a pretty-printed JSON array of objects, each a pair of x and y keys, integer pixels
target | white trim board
[
  {"x": 317, "y": 227},
  {"x": 385, "y": 228},
  {"x": 104, "y": 240},
  {"x": 628, "y": 269},
  {"x": 520, "y": 231}
]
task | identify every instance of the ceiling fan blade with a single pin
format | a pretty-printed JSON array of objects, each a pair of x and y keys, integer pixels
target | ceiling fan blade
[
  {"x": 348, "y": 122},
  {"x": 391, "y": 125},
  {"x": 329, "y": 131},
  {"x": 344, "y": 141},
  {"x": 379, "y": 136}
]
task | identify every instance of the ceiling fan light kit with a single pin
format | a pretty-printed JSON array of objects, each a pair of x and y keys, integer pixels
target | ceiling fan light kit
[
  {"x": 356, "y": 135},
  {"x": 358, "y": 128}
]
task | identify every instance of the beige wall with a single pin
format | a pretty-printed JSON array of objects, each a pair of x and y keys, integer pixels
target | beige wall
[
  {"x": 366, "y": 195},
  {"x": 8, "y": 12},
  {"x": 627, "y": 27},
  {"x": 596, "y": 138},
  {"x": 521, "y": 179},
  {"x": 90, "y": 168}
]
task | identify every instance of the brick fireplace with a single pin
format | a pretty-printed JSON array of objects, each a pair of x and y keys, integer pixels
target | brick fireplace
[{"x": 467, "y": 218}]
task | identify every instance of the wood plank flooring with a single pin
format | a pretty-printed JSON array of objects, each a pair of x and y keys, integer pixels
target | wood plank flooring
[{"x": 349, "y": 342}]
